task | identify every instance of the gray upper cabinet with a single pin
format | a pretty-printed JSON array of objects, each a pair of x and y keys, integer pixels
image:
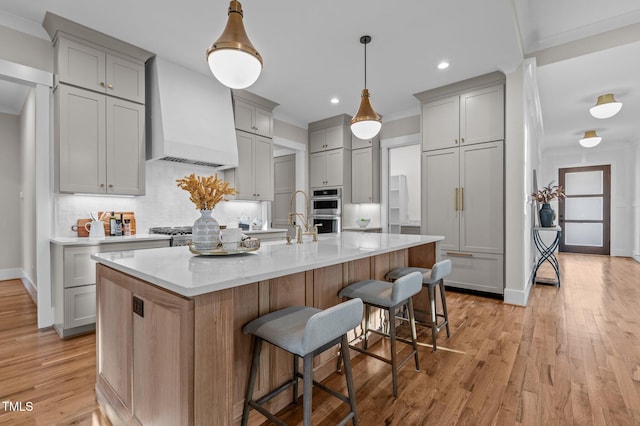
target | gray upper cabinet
[
  {"x": 253, "y": 113},
  {"x": 99, "y": 143},
  {"x": 92, "y": 67},
  {"x": 469, "y": 118},
  {"x": 253, "y": 178},
  {"x": 365, "y": 170},
  {"x": 253, "y": 119}
]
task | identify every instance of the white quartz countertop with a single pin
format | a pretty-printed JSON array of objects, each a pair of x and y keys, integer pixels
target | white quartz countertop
[
  {"x": 178, "y": 270},
  {"x": 262, "y": 231},
  {"x": 86, "y": 241}
]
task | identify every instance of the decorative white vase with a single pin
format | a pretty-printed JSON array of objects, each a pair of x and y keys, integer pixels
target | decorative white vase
[{"x": 206, "y": 232}]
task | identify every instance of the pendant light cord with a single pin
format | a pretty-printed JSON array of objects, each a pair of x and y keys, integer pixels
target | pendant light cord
[{"x": 365, "y": 65}]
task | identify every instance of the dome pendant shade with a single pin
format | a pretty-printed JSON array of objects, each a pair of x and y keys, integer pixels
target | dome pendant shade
[
  {"x": 590, "y": 139},
  {"x": 232, "y": 58},
  {"x": 605, "y": 107},
  {"x": 366, "y": 123}
]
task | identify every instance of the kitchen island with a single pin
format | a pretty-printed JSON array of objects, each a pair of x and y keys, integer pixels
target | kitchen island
[{"x": 170, "y": 347}]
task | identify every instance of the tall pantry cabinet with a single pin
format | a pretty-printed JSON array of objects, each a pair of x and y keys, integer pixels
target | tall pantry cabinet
[
  {"x": 99, "y": 95},
  {"x": 463, "y": 178}
]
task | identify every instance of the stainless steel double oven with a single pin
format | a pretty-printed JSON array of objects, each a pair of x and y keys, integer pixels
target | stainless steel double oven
[{"x": 326, "y": 210}]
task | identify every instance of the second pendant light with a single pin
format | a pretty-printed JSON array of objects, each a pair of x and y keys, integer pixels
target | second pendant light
[{"x": 366, "y": 124}]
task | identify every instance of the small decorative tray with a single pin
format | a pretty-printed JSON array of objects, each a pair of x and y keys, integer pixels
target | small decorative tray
[{"x": 220, "y": 251}]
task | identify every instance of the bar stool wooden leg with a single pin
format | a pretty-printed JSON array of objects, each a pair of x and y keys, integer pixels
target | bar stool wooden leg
[
  {"x": 445, "y": 311},
  {"x": 434, "y": 318},
  {"x": 307, "y": 393},
  {"x": 414, "y": 334},
  {"x": 351, "y": 390},
  {"x": 394, "y": 360},
  {"x": 255, "y": 363}
]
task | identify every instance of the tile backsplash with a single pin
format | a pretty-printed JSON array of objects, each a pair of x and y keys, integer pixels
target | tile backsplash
[{"x": 164, "y": 204}]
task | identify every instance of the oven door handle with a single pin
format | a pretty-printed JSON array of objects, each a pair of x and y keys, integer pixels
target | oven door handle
[{"x": 325, "y": 216}]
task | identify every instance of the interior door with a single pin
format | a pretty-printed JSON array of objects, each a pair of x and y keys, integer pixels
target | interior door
[
  {"x": 284, "y": 185},
  {"x": 586, "y": 210}
]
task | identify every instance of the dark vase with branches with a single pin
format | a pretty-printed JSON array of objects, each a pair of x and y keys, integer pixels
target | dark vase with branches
[{"x": 543, "y": 196}]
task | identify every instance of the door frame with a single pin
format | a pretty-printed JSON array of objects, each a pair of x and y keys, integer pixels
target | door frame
[{"x": 606, "y": 213}]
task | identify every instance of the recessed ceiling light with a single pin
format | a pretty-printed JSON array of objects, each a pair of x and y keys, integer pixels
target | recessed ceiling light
[
  {"x": 443, "y": 65},
  {"x": 335, "y": 100}
]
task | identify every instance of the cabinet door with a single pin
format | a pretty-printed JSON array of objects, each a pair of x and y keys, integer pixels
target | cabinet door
[
  {"x": 482, "y": 115},
  {"x": 441, "y": 214},
  {"x": 481, "y": 198},
  {"x": 79, "y": 269},
  {"x": 263, "y": 168},
  {"x": 79, "y": 306},
  {"x": 125, "y": 147},
  {"x": 357, "y": 143},
  {"x": 81, "y": 65},
  {"x": 476, "y": 271},
  {"x": 317, "y": 169},
  {"x": 440, "y": 123},
  {"x": 243, "y": 116},
  {"x": 334, "y": 137},
  {"x": 362, "y": 175},
  {"x": 244, "y": 175},
  {"x": 263, "y": 122},
  {"x": 162, "y": 385},
  {"x": 81, "y": 140},
  {"x": 125, "y": 78},
  {"x": 317, "y": 140},
  {"x": 334, "y": 167}
]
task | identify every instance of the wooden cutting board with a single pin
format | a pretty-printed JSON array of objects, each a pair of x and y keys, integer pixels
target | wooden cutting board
[{"x": 105, "y": 217}]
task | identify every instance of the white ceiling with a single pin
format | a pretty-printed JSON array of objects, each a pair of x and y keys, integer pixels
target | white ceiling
[{"x": 312, "y": 52}]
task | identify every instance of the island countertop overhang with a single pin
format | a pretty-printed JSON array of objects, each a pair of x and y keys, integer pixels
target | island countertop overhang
[{"x": 178, "y": 270}]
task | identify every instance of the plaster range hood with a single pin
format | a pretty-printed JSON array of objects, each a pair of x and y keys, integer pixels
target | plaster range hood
[{"x": 189, "y": 117}]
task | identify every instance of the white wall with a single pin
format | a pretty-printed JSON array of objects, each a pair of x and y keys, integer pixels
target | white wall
[
  {"x": 405, "y": 160},
  {"x": 621, "y": 157},
  {"x": 636, "y": 205},
  {"x": 28, "y": 188},
  {"x": 164, "y": 204},
  {"x": 523, "y": 124},
  {"x": 10, "y": 244}
]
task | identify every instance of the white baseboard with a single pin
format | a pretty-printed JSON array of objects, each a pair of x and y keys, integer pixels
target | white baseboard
[
  {"x": 636, "y": 257},
  {"x": 516, "y": 297},
  {"x": 31, "y": 289},
  {"x": 11, "y": 274}
]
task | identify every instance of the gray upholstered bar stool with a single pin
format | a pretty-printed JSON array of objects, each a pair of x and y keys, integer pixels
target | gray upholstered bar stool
[
  {"x": 304, "y": 332},
  {"x": 391, "y": 297},
  {"x": 431, "y": 278}
]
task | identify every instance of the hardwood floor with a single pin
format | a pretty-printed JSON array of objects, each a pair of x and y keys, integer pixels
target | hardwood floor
[{"x": 571, "y": 357}]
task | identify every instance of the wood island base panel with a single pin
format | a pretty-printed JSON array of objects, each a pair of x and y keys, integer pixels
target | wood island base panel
[{"x": 168, "y": 359}]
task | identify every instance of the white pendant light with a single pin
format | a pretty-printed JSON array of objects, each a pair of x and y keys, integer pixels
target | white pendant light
[
  {"x": 605, "y": 107},
  {"x": 590, "y": 139},
  {"x": 232, "y": 58},
  {"x": 366, "y": 124}
]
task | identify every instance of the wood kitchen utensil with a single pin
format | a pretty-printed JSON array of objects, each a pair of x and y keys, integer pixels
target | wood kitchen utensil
[{"x": 82, "y": 231}]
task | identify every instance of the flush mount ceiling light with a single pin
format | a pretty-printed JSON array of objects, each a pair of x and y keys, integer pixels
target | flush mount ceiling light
[
  {"x": 590, "y": 139},
  {"x": 366, "y": 124},
  {"x": 605, "y": 107},
  {"x": 232, "y": 58}
]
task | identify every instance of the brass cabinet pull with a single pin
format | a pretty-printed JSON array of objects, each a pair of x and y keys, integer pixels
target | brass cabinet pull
[
  {"x": 459, "y": 254},
  {"x": 456, "y": 140},
  {"x": 102, "y": 83},
  {"x": 462, "y": 140},
  {"x": 455, "y": 199},
  {"x": 461, "y": 198},
  {"x": 110, "y": 86}
]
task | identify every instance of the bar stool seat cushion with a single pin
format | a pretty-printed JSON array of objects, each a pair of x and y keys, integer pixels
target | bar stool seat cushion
[
  {"x": 382, "y": 293},
  {"x": 302, "y": 329},
  {"x": 401, "y": 272},
  {"x": 429, "y": 276}
]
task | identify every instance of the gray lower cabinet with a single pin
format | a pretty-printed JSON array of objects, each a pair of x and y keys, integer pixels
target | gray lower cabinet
[{"x": 74, "y": 283}]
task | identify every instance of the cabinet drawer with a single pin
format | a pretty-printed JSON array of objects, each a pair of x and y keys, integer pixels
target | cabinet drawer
[
  {"x": 79, "y": 306},
  {"x": 476, "y": 271},
  {"x": 79, "y": 269}
]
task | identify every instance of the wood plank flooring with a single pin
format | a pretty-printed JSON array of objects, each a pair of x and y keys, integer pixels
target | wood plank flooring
[{"x": 571, "y": 357}]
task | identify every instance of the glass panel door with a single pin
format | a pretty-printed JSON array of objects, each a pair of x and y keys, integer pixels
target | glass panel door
[{"x": 585, "y": 212}]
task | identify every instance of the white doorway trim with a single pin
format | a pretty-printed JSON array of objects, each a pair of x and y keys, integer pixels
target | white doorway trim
[
  {"x": 385, "y": 146},
  {"x": 42, "y": 81}
]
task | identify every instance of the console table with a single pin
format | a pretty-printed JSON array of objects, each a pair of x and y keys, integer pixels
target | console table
[{"x": 547, "y": 252}]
